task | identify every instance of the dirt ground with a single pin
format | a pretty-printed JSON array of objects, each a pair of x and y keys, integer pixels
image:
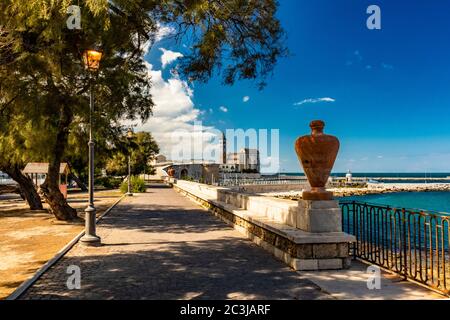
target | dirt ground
[{"x": 29, "y": 239}]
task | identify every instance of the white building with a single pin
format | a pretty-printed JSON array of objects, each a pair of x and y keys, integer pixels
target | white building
[
  {"x": 231, "y": 163},
  {"x": 349, "y": 177},
  {"x": 249, "y": 160},
  {"x": 246, "y": 160}
]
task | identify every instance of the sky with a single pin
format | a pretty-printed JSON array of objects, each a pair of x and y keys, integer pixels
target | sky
[{"x": 384, "y": 93}]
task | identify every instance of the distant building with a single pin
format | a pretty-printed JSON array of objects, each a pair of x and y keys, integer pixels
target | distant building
[
  {"x": 233, "y": 158},
  {"x": 223, "y": 149},
  {"x": 349, "y": 177},
  {"x": 249, "y": 160},
  {"x": 159, "y": 158},
  {"x": 160, "y": 164},
  {"x": 244, "y": 161},
  {"x": 195, "y": 170},
  {"x": 203, "y": 172}
]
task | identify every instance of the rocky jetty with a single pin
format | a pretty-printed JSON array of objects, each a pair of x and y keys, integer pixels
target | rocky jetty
[{"x": 371, "y": 188}]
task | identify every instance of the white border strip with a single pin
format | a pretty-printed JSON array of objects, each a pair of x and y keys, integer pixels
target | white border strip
[{"x": 28, "y": 283}]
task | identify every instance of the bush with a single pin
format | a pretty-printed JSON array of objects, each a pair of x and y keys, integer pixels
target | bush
[
  {"x": 137, "y": 185},
  {"x": 108, "y": 182}
]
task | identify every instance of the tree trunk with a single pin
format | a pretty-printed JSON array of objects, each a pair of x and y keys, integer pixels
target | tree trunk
[
  {"x": 77, "y": 180},
  {"x": 50, "y": 188},
  {"x": 26, "y": 187}
]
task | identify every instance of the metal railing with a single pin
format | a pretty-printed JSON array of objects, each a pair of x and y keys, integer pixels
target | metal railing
[{"x": 412, "y": 243}]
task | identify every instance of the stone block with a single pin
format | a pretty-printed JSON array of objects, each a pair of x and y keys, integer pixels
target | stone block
[
  {"x": 304, "y": 251},
  {"x": 320, "y": 204},
  {"x": 305, "y": 264},
  {"x": 319, "y": 216},
  {"x": 330, "y": 264},
  {"x": 291, "y": 218},
  {"x": 342, "y": 249},
  {"x": 325, "y": 250}
]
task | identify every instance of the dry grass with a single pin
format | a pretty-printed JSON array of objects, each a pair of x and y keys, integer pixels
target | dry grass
[{"x": 29, "y": 239}]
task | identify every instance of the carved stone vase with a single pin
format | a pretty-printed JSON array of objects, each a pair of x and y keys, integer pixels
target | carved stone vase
[{"x": 317, "y": 153}]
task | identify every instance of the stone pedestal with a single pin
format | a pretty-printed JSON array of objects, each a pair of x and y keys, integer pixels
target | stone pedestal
[
  {"x": 319, "y": 216},
  {"x": 320, "y": 220}
]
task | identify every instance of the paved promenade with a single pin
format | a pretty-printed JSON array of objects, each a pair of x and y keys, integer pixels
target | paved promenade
[{"x": 161, "y": 245}]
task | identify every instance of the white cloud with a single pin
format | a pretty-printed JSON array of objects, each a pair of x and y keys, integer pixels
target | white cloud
[
  {"x": 174, "y": 111},
  {"x": 163, "y": 31},
  {"x": 223, "y": 109},
  {"x": 246, "y": 98},
  {"x": 314, "y": 100},
  {"x": 169, "y": 56}
]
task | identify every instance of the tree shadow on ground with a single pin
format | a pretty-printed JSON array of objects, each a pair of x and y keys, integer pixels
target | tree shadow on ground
[
  {"x": 225, "y": 268},
  {"x": 23, "y": 213},
  {"x": 156, "y": 219},
  {"x": 171, "y": 250}
]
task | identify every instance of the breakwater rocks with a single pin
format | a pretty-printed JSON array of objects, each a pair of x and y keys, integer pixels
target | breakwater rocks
[{"x": 378, "y": 188}]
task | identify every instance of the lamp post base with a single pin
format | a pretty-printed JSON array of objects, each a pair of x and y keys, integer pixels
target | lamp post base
[
  {"x": 129, "y": 194},
  {"x": 90, "y": 241},
  {"x": 90, "y": 237}
]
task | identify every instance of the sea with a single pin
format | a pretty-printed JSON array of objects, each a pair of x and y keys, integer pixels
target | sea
[
  {"x": 436, "y": 201},
  {"x": 416, "y": 177}
]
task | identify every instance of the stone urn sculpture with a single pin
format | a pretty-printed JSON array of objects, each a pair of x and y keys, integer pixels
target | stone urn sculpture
[{"x": 317, "y": 153}]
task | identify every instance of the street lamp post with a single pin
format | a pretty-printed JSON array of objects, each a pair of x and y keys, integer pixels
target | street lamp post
[
  {"x": 129, "y": 137},
  {"x": 91, "y": 60}
]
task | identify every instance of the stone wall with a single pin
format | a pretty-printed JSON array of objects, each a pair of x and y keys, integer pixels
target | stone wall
[{"x": 266, "y": 188}]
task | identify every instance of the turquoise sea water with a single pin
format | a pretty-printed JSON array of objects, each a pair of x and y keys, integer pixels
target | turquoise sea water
[
  {"x": 402, "y": 176},
  {"x": 432, "y": 201},
  {"x": 384, "y": 174}
]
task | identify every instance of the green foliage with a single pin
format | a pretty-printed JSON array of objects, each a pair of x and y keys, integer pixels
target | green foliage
[
  {"x": 137, "y": 185},
  {"x": 145, "y": 150},
  {"x": 117, "y": 165},
  {"x": 241, "y": 39},
  {"x": 44, "y": 85},
  {"x": 187, "y": 178},
  {"x": 142, "y": 148},
  {"x": 108, "y": 182}
]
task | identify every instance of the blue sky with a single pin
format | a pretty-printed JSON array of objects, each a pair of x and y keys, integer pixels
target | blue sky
[{"x": 387, "y": 90}]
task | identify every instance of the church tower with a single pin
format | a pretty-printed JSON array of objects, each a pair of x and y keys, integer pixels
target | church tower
[{"x": 223, "y": 149}]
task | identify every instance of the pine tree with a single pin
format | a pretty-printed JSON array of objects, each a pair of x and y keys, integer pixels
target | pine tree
[{"x": 42, "y": 77}]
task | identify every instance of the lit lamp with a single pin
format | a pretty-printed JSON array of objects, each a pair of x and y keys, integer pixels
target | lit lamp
[
  {"x": 91, "y": 59},
  {"x": 130, "y": 135}
]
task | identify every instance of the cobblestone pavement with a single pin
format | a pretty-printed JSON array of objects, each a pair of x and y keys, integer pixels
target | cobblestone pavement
[{"x": 161, "y": 245}]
